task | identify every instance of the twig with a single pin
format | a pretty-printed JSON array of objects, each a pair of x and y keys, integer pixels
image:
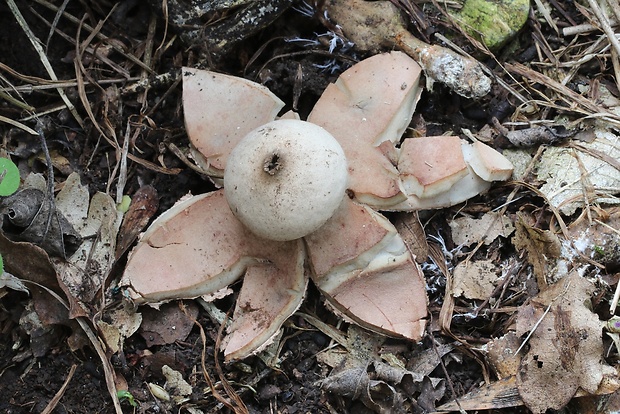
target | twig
[
  {"x": 54, "y": 401},
  {"x": 49, "y": 196},
  {"x": 36, "y": 43},
  {"x": 100, "y": 36},
  {"x": 96, "y": 52},
  {"x": 203, "y": 364},
  {"x": 576, "y": 101},
  {"x": 606, "y": 26},
  {"x": 18, "y": 125},
  {"x": 148, "y": 57},
  {"x": 21, "y": 105},
  {"x": 539, "y": 321},
  {"x": 81, "y": 86},
  {"x": 238, "y": 405},
  {"x": 615, "y": 7},
  {"x": 61, "y": 10},
  {"x": 122, "y": 166},
  {"x": 584, "y": 28},
  {"x": 445, "y": 372}
]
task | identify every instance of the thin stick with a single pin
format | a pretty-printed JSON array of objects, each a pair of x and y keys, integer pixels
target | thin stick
[
  {"x": 18, "y": 125},
  {"x": 606, "y": 26},
  {"x": 61, "y": 10},
  {"x": 54, "y": 401},
  {"x": 101, "y": 36},
  {"x": 36, "y": 43},
  {"x": 539, "y": 321}
]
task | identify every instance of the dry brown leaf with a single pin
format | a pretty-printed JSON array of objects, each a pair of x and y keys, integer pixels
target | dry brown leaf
[
  {"x": 178, "y": 387},
  {"x": 565, "y": 347},
  {"x": 501, "y": 353},
  {"x": 411, "y": 231},
  {"x": 143, "y": 205},
  {"x": 167, "y": 324},
  {"x": 31, "y": 263},
  {"x": 475, "y": 280},
  {"x": 350, "y": 377},
  {"x": 121, "y": 324},
  {"x": 96, "y": 221},
  {"x": 31, "y": 216},
  {"x": 467, "y": 230},
  {"x": 599, "y": 239},
  {"x": 542, "y": 247},
  {"x": 499, "y": 394}
]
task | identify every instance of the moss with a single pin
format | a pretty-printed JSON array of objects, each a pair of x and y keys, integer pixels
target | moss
[{"x": 494, "y": 22}]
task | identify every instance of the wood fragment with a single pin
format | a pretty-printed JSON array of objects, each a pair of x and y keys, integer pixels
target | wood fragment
[{"x": 375, "y": 25}]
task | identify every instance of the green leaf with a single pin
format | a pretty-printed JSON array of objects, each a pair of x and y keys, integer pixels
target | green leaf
[
  {"x": 124, "y": 204},
  {"x": 124, "y": 395},
  {"x": 1, "y": 265},
  {"x": 9, "y": 177}
]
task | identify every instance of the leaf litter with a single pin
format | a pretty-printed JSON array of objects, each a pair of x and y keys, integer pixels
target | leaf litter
[{"x": 522, "y": 311}]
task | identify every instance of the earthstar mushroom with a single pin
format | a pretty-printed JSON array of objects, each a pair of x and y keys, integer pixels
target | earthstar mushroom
[
  {"x": 285, "y": 179},
  {"x": 352, "y": 253}
]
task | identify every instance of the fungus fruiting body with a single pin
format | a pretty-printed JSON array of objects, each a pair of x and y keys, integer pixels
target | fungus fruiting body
[
  {"x": 285, "y": 179},
  {"x": 282, "y": 217}
]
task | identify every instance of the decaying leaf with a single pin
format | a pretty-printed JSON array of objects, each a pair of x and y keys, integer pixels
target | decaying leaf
[
  {"x": 565, "y": 345},
  {"x": 9, "y": 281},
  {"x": 167, "y": 324},
  {"x": 497, "y": 395},
  {"x": 475, "y": 279},
  {"x": 587, "y": 172},
  {"x": 32, "y": 217},
  {"x": 31, "y": 263},
  {"x": 143, "y": 205},
  {"x": 359, "y": 374},
  {"x": 543, "y": 247},
  {"x": 178, "y": 387},
  {"x": 467, "y": 230},
  {"x": 413, "y": 234},
  {"x": 502, "y": 355},
  {"x": 85, "y": 272},
  {"x": 120, "y": 324},
  {"x": 599, "y": 239}
]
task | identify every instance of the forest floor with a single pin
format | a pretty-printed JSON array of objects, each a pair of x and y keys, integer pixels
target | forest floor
[{"x": 521, "y": 314}]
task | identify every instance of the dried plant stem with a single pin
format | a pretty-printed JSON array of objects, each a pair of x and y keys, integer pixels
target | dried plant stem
[
  {"x": 54, "y": 402},
  {"x": 18, "y": 125},
  {"x": 100, "y": 36},
  {"x": 36, "y": 43},
  {"x": 615, "y": 7},
  {"x": 605, "y": 25},
  {"x": 583, "y": 28}
]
